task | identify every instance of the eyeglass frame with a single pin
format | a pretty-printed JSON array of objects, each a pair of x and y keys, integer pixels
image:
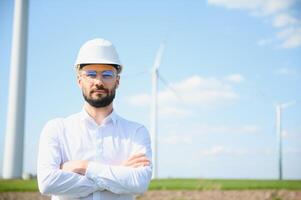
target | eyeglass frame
[{"x": 82, "y": 72}]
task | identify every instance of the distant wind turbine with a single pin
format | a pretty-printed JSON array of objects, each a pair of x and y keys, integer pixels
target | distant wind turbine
[
  {"x": 279, "y": 108},
  {"x": 154, "y": 110}
]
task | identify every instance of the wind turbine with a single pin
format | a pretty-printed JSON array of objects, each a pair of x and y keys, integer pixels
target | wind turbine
[
  {"x": 279, "y": 108},
  {"x": 154, "y": 108},
  {"x": 14, "y": 138}
]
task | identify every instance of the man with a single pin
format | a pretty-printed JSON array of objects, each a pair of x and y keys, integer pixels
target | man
[{"x": 95, "y": 154}]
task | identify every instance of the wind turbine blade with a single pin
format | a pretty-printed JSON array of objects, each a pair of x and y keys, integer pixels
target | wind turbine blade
[
  {"x": 288, "y": 104},
  {"x": 159, "y": 56},
  {"x": 168, "y": 86}
]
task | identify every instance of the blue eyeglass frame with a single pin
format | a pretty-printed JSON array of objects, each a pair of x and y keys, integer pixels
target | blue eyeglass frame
[{"x": 105, "y": 75}]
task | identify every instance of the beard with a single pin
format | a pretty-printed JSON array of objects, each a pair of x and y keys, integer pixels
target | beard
[{"x": 100, "y": 101}]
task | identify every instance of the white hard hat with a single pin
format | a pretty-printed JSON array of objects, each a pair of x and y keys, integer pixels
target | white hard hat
[{"x": 98, "y": 51}]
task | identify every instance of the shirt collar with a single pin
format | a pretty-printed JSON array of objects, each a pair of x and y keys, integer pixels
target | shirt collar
[{"x": 112, "y": 117}]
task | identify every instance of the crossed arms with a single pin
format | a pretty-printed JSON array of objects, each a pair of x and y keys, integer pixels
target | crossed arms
[
  {"x": 80, "y": 178},
  {"x": 80, "y": 166}
]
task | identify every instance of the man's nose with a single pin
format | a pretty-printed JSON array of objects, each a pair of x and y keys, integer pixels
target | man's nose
[{"x": 98, "y": 80}]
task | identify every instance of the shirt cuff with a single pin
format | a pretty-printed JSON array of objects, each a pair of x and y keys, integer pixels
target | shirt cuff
[{"x": 94, "y": 171}]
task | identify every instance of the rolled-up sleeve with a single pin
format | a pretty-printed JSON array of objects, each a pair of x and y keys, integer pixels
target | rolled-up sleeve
[
  {"x": 121, "y": 179},
  {"x": 51, "y": 179}
]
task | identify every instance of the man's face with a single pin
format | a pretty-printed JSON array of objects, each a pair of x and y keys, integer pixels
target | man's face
[{"x": 98, "y": 83}]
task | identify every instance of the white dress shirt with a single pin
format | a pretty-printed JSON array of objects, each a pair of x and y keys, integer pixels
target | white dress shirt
[{"x": 105, "y": 146}]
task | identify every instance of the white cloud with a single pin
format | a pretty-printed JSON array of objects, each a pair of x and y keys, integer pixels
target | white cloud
[
  {"x": 269, "y": 7},
  {"x": 294, "y": 134},
  {"x": 278, "y": 11},
  {"x": 174, "y": 111},
  {"x": 236, "y": 4},
  {"x": 193, "y": 92},
  {"x": 284, "y": 133},
  {"x": 285, "y": 71},
  {"x": 195, "y": 130},
  {"x": 193, "y": 134},
  {"x": 282, "y": 20},
  {"x": 261, "y": 7},
  {"x": 243, "y": 129},
  {"x": 236, "y": 78},
  {"x": 140, "y": 99},
  {"x": 292, "y": 150},
  {"x": 221, "y": 150},
  {"x": 250, "y": 129},
  {"x": 291, "y": 37},
  {"x": 176, "y": 139},
  {"x": 216, "y": 150}
]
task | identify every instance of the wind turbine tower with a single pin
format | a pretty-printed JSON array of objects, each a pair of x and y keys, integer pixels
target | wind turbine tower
[
  {"x": 279, "y": 108},
  {"x": 154, "y": 110},
  {"x": 13, "y": 150}
]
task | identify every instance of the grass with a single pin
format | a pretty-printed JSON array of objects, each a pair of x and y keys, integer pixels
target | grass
[
  {"x": 178, "y": 184},
  {"x": 18, "y": 185},
  {"x": 222, "y": 184}
]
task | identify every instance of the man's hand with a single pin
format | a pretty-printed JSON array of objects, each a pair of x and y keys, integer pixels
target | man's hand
[
  {"x": 137, "y": 160},
  {"x": 76, "y": 166},
  {"x": 80, "y": 166}
]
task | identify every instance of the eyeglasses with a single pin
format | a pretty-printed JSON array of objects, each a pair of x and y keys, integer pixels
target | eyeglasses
[{"x": 106, "y": 76}]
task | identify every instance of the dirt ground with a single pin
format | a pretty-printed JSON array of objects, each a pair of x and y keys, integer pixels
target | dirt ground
[
  {"x": 222, "y": 195},
  {"x": 184, "y": 195}
]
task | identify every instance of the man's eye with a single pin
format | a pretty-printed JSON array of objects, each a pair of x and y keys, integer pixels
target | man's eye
[
  {"x": 107, "y": 74},
  {"x": 91, "y": 74}
]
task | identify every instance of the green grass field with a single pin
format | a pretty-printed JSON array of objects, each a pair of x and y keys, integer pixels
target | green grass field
[
  {"x": 178, "y": 184},
  {"x": 18, "y": 185},
  {"x": 222, "y": 184}
]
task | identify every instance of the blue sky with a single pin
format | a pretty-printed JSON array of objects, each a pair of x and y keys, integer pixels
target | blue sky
[{"x": 229, "y": 61}]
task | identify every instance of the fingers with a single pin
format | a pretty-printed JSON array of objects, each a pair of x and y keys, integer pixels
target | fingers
[
  {"x": 142, "y": 164},
  {"x": 137, "y": 160},
  {"x": 136, "y": 156}
]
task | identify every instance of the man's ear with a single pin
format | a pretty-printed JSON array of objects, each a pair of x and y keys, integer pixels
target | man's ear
[
  {"x": 117, "y": 81},
  {"x": 79, "y": 81}
]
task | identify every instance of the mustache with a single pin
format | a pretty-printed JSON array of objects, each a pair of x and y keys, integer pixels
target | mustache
[{"x": 100, "y": 88}]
